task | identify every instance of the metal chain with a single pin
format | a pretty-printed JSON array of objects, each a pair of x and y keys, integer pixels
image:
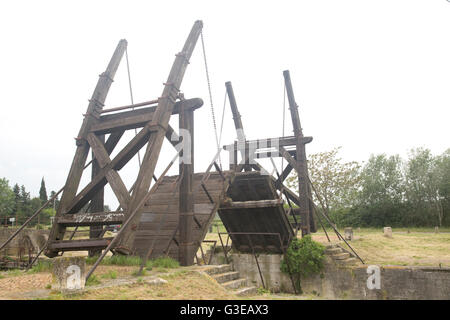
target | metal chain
[
  {"x": 131, "y": 97},
  {"x": 284, "y": 119},
  {"x": 209, "y": 91}
]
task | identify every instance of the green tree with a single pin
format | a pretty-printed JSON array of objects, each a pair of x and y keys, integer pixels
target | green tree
[
  {"x": 55, "y": 203},
  {"x": 443, "y": 173},
  {"x": 381, "y": 195},
  {"x": 335, "y": 181},
  {"x": 23, "y": 205},
  {"x": 43, "y": 192},
  {"x": 16, "y": 191},
  {"x": 422, "y": 187},
  {"x": 6, "y": 199}
]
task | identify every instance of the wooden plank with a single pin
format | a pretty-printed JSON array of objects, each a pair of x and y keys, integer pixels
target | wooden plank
[
  {"x": 88, "y": 219},
  {"x": 78, "y": 245},
  {"x": 251, "y": 204}
]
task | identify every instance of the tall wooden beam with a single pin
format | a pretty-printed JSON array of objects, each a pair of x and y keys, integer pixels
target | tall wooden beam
[
  {"x": 97, "y": 202},
  {"x": 186, "y": 197},
  {"x": 301, "y": 165},
  {"x": 160, "y": 122},
  {"x": 237, "y": 124},
  {"x": 95, "y": 104}
]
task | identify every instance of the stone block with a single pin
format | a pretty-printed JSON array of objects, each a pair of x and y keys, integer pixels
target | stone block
[
  {"x": 387, "y": 232},
  {"x": 69, "y": 274},
  {"x": 348, "y": 233}
]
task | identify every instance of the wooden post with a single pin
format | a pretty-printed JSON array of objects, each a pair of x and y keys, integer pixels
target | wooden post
[
  {"x": 97, "y": 203},
  {"x": 237, "y": 124},
  {"x": 186, "y": 197},
  {"x": 307, "y": 220}
]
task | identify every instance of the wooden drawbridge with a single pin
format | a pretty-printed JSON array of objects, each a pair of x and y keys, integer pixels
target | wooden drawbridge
[{"x": 171, "y": 216}]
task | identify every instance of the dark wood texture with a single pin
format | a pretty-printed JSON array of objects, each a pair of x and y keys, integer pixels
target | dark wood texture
[
  {"x": 164, "y": 204},
  {"x": 187, "y": 249},
  {"x": 95, "y": 104},
  {"x": 258, "y": 210},
  {"x": 160, "y": 121},
  {"x": 304, "y": 191}
]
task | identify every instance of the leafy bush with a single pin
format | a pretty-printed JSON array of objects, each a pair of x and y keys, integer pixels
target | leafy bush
[{"x": 303, "y": 259}]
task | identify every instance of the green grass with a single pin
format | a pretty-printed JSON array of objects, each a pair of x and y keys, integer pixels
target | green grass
[
  {"x": 117, "y": 260},
  {"x": 93, "y": 280},
  {"x": 163, "y": 262},
  {"x": 41, "y": 266},
  {"x": 110, "y": 275},
  {"x": 137, "y": 274},
  {"x": 14, "y": 273}
]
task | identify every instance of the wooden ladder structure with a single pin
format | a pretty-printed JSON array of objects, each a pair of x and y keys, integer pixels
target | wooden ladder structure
[{"x": 153, "y": 122}]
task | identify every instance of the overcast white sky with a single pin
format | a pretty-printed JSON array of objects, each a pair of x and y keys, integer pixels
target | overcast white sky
[{"x": 370, "y": 76}]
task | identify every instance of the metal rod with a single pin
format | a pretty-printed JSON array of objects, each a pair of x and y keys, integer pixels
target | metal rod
[
  {"x": 337, "y": 232},
  {"x": 31, "y": 218},
  {"x": 287, "y": 264},
  {"x": 257, "y": 262},
  {"x": 223, "y": 248},
  {"x": 323, "y": 207},
  {"x": 37, "y": 256}
]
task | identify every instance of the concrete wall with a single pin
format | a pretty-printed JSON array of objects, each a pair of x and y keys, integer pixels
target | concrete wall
[{"x": 338, "y": 282}]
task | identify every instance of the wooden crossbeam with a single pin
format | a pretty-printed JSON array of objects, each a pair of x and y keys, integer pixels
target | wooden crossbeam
[
  {"x": 284, "y": 174},
  {"x": 77, "y": 245},
  {"x": 285, "y": 154},
  {"x": 251, "y": 204},
  {"x": 116, "y": 183},
  {"x": 100, "y": 180},
  {"x": 91, "y": 219},
  {"x": 137, "y": 118}
]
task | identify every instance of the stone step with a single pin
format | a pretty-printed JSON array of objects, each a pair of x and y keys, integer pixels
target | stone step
[
  {"x": 235, "y": 284},
  {"x": 216, "y": 269},
  {"x": 341, "y": 256},
  {"x": 348, "y": 261},
  {"x": 246, "y": 291},
  {"x": 331, "y": 246},
  {"x": 333, "y": 251},
  {"x": 227, "y": 276}
]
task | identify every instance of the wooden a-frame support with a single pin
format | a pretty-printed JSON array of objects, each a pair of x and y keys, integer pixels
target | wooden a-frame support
[
  {"x": 296, "y": 158},
  {"x": 105, "y": 170}
]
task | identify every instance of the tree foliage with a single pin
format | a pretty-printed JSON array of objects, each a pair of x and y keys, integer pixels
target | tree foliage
[
  {"x": 386, "y": 190},
  {"x": 6, "y": 199},
  {"x": 43, "y": 192},
  {"x": 304, "y": 258}
]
